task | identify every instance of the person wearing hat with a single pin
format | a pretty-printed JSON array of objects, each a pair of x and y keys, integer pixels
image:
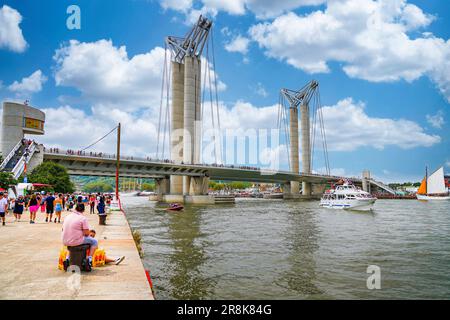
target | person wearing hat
[{"x": 3, "y": 207}]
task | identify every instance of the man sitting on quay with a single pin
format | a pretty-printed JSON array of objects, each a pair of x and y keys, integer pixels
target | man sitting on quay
[{"x": 75, "y": 231}]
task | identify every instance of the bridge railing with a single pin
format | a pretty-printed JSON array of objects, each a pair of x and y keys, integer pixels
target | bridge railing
[
  {"x": 20, "y": 166},
  {"x": 383, "y": 186},
  {"x": 102, "y": 155},
  {"x": 10, "y": 155}
]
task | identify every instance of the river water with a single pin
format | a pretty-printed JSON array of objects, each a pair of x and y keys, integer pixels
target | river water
[{"x": 274, "y": 249}]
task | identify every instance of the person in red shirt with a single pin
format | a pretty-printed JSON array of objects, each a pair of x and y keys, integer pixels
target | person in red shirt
[{"x": 91, "y": 204}]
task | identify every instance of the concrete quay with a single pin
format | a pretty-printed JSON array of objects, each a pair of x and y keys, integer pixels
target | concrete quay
[{"x": 29, "y": 263}]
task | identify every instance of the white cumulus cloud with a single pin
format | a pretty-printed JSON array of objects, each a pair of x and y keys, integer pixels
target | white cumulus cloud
[
  {"x": 370, "y": 38},
  {"x": 348, "y": 127},
  {"x": 74, "y": 128},
  {"x": 180, "y": 5},
  {"x": 11, "y": 36},
  {"x": 437, "y": 120},
  {"x": 262, "y": 9},
  {"x": 29, "y": 85},
  {"x": 104, "y": 73},
  {"x": 238, "y": 44}
]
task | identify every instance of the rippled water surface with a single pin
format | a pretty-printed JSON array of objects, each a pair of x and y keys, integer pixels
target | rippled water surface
[{"x": 273, "y": 249}]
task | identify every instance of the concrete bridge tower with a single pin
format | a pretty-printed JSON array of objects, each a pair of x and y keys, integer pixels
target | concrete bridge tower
[
  {"x": 177, "y": 124},
  {"x": 299, "y": 100},
  {"x": 306, "y": 146},
  {"x": 192, "y": 116},
  {"x": 293, "y": 147},
  {"x": 185, "y": 141}
]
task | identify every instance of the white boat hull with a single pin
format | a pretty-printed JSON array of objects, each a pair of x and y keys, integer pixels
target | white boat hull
[
  {"x": 359, "y": 204},
  {"x": 426, "y": 197}
]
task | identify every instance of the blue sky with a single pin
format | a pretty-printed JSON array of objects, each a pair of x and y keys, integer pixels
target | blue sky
[{"x": 391, "y": 81}]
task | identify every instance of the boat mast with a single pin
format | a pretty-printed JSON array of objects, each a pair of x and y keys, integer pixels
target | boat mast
[{"x": 426, "y": 179}]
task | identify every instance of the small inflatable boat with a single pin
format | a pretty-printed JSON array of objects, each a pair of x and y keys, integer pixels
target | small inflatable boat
[{"x": 175, "y": 207}]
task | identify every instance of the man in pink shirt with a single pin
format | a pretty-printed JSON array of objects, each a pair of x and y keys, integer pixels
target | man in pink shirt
[{"x": 75, "y": 231}]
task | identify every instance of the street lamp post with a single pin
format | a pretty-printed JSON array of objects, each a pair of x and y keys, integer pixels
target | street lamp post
[{"x": 118, "y": 162}]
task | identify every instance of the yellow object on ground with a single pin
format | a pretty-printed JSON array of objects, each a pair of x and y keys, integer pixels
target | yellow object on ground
[
  {"x": 62, "y": 257},
  {"x": 98, "y": 258}
]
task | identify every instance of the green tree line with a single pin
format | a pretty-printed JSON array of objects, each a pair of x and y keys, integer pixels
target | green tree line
[{"x": 237, "y": 185}]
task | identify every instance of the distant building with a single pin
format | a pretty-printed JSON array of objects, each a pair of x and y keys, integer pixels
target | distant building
[
  {"x": 411, "y": 189},
  {"x": 447, "y": 181}
]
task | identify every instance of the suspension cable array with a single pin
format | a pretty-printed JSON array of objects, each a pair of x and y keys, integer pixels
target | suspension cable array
[
  {"x": 309, "y": 96},
  {"x": 191, "y": 45},
  {"x": 282, "y": 120},
  {"x": 318, "y": 113},
  {"x": 164, "y": 107},
  {"x": 100, "y": 139}
]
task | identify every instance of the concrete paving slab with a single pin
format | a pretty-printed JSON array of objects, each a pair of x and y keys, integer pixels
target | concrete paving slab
[{"x": 29, "y": 263}]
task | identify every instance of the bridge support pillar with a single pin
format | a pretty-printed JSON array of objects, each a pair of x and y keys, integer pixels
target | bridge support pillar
[
  {"x": 365, "y": 181},
  {"x": 306, "y": 188},
  {"x": 287, "y": 191},
  {"x": 199, "y": 192},
  {"x": 162, "y": 188},
  {"x": 293, "y": 133},
  {"x": 199, "y": 186},
  {"x": 306, "y": 148},
  {"x": 191, "y": 141},
  {"x": 177, "y": 124}
]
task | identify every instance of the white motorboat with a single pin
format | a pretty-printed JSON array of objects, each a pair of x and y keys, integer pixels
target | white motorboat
[
  {"x": 347, "y": 196},
  {"x": 433, "y": 187}
]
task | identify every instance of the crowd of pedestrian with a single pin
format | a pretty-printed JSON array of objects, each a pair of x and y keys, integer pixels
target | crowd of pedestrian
[{"x": 51, "y": 205}]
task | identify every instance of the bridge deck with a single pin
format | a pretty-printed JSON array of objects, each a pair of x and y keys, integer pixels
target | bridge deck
[{"x": 105, "y": 166}]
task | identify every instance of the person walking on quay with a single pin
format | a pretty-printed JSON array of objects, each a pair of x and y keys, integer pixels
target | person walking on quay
[
  {"x": 26, "y": 199},
  {"x": 3, "y": 207},
  {"x": 101, "y": 211},
  {"x": 92, "y": 204},
  {"x": 50, "y": 207},
  {"x": 101, "y": 206},
  {"x": 64, "y": 198},
  {"x": 41, "y": 200},
  {"x": 33, "y": 206},
  {"x": 58, "y": 207},
  {"x": 70, "y": 202},
  {"x": 18, "y": 208}
]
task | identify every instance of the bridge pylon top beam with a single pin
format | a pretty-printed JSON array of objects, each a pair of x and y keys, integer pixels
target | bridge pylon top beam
[{"x": 193, "y": 43}]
